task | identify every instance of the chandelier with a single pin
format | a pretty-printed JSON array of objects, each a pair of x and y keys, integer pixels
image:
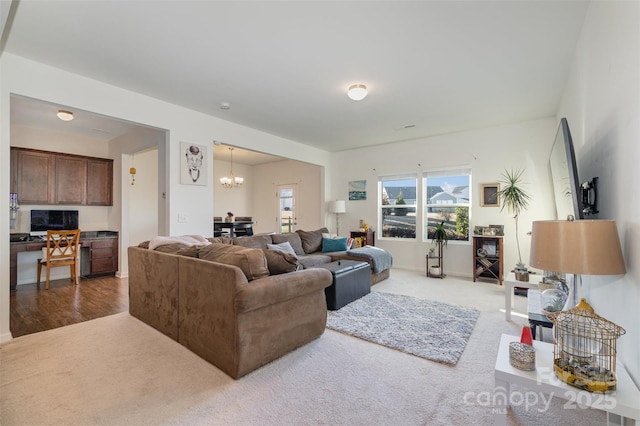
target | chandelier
[{"x": 231, "y": 181}]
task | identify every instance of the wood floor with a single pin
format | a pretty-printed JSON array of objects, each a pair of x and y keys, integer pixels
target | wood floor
[{"x": 35, "y": 309}]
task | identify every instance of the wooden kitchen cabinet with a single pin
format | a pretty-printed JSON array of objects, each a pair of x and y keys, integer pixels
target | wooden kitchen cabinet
[
  {"x": 32, "y": 176},
  {"x": 99, "y": 182},
  {"x": 43, "y": 177},
  {"x": 70, "y": 180}
]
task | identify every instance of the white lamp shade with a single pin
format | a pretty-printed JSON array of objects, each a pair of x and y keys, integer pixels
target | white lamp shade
[{"x": 338, "y": 206}]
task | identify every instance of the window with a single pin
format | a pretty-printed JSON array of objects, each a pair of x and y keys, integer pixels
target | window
[
  {"x": 447, "y": 199},
  {"x": 398, "y": 207}
]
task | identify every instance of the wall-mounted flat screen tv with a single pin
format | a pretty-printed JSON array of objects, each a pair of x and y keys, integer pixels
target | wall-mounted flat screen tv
[
  {"x": 43, "y": 220},
  {"x": 564, "y": 174}
]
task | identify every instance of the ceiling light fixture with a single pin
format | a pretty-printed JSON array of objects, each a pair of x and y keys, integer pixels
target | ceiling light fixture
[
  {"x": 231, "y": 181},
  {"x": 65, "y": 115},
  {"x": 357, "y": 92}
]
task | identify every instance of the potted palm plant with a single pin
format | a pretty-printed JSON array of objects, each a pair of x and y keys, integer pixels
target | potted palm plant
[{"x": 515, "y": 199}]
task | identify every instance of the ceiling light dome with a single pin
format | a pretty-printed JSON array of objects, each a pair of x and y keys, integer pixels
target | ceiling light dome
[
  {"x": 65, "y": 115},
  {"x": 357, "y": 92}
]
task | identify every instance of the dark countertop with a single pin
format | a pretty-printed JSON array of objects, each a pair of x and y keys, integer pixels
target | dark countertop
[{"x": 84, "y": 235}]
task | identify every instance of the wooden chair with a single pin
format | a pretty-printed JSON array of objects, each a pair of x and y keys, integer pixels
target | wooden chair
[{"x": 63, "y": 248}]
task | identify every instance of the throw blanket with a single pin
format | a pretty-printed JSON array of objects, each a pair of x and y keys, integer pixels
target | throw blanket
[
  {"x": 381, "y": 258},
  {"x": 188, "y": 240}
]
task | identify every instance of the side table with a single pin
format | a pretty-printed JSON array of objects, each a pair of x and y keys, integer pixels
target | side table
[
  {"x": 622, "y": 406},
  {"x": 509, "y": 283}
]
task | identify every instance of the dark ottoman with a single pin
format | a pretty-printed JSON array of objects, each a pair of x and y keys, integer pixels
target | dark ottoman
[{"x": 350, "y": 282}]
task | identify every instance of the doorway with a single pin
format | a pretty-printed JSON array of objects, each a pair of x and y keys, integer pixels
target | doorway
[{"x": 287, "y": 207}]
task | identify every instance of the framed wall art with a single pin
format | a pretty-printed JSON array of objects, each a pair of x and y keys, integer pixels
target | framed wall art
[
  {"x": 489, "y": 195},
  {"x": 193, "y": 164},
  {"x": 357, "y": 190}
]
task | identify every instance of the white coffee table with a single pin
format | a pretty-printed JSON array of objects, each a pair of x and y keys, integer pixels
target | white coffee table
[
  {"x": 622, "y": 406},
  {"x": 509, "y": 283}
]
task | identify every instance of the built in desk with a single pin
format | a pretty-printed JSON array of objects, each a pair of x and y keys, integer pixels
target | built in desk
[{"x": 99, "y": 253}]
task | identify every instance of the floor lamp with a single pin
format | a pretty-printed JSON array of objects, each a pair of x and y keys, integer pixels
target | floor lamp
[
  {"x": 338, "y": 207},
  {"x": 578, "y": 247}
]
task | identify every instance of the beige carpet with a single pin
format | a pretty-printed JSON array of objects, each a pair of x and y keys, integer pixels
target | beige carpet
[{"x": 116, "y": 370}]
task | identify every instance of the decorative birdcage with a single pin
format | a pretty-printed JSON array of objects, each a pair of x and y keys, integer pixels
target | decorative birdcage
[{"x": 585, "y": 348}]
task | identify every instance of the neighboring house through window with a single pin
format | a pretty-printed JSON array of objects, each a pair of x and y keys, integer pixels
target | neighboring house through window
[
  {"x": 398, "y": 197},
  {"x": 447, "y": 200}
]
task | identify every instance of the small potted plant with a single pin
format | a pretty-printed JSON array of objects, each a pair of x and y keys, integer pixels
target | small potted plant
[{"x": 440, "y": 235}]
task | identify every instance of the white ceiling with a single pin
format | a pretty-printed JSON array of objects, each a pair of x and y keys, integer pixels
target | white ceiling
[{"x": 284, "y": 66}]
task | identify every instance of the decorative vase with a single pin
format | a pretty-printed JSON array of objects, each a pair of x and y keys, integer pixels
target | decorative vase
[
  {"x": 435, "y": 270},
  {"x": 522, "y": 276}
]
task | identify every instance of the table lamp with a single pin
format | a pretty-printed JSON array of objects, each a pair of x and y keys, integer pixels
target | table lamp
[
  {"x": 578, "y": 247},
  {"x": 337, "y": 207},
  {"x": 584, "y": 346}
]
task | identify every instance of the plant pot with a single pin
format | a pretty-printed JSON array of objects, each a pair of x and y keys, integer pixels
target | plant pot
[
  {"x": 522, "y": 276},
  {"x": 435, "y": 271}
]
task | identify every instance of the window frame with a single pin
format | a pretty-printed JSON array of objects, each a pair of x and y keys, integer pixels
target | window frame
[
  {"x": 414, "y": 206},
  {"x": 425, "y": 205}
]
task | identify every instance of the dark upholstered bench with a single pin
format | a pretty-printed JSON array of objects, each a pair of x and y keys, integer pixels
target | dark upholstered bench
[{"x": 350, "y": 282}]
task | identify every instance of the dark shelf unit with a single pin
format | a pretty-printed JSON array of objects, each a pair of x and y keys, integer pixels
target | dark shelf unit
[
  {"x": 490, "y": 265},
  {"x": 369, "y": 237}
]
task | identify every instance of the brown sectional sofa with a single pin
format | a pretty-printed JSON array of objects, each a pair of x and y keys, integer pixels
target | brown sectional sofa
[
  {"x": 233, "y": 301},
  {"x": 235, "y": 315},
  {"x": 308, "y": 248}
]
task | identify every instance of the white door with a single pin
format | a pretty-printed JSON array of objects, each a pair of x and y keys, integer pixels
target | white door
[{"x": 286, "y": 195}]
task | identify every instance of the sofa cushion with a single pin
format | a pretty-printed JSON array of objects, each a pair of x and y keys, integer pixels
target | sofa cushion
[
  {"x": 280, "y": 263},
  {"x": 310, "y": 260},
  {"x": 221, "y": 240},
  {"x": 334, "y": 244},
  {"x": 254, "y": 241},
  {"x": 283, "y": 247},
  {"x": 312, "y": 240},
  {"x": 252, "y": 262},
  {"x": 292, "y": 237}
]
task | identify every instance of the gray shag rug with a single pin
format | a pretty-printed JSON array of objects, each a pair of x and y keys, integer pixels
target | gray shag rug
[{"x": 433, "y": 330}]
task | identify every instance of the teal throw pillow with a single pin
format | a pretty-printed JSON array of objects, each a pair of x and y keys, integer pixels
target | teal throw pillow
[{"x": 334, "y": 244}]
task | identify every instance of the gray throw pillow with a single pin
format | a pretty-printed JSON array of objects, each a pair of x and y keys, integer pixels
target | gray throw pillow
[
  {"x": 293, "y": 239},
  {"x": 283, "y": 247}
]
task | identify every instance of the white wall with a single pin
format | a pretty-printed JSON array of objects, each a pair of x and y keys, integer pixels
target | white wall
[
  {"x": 310, "y": 204},
  {"x": 29, "y": 78},
  {"x": 602, "y": 105},
  {"x": 143, "y": 197},
  {"x": 488, "y": 152}
]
